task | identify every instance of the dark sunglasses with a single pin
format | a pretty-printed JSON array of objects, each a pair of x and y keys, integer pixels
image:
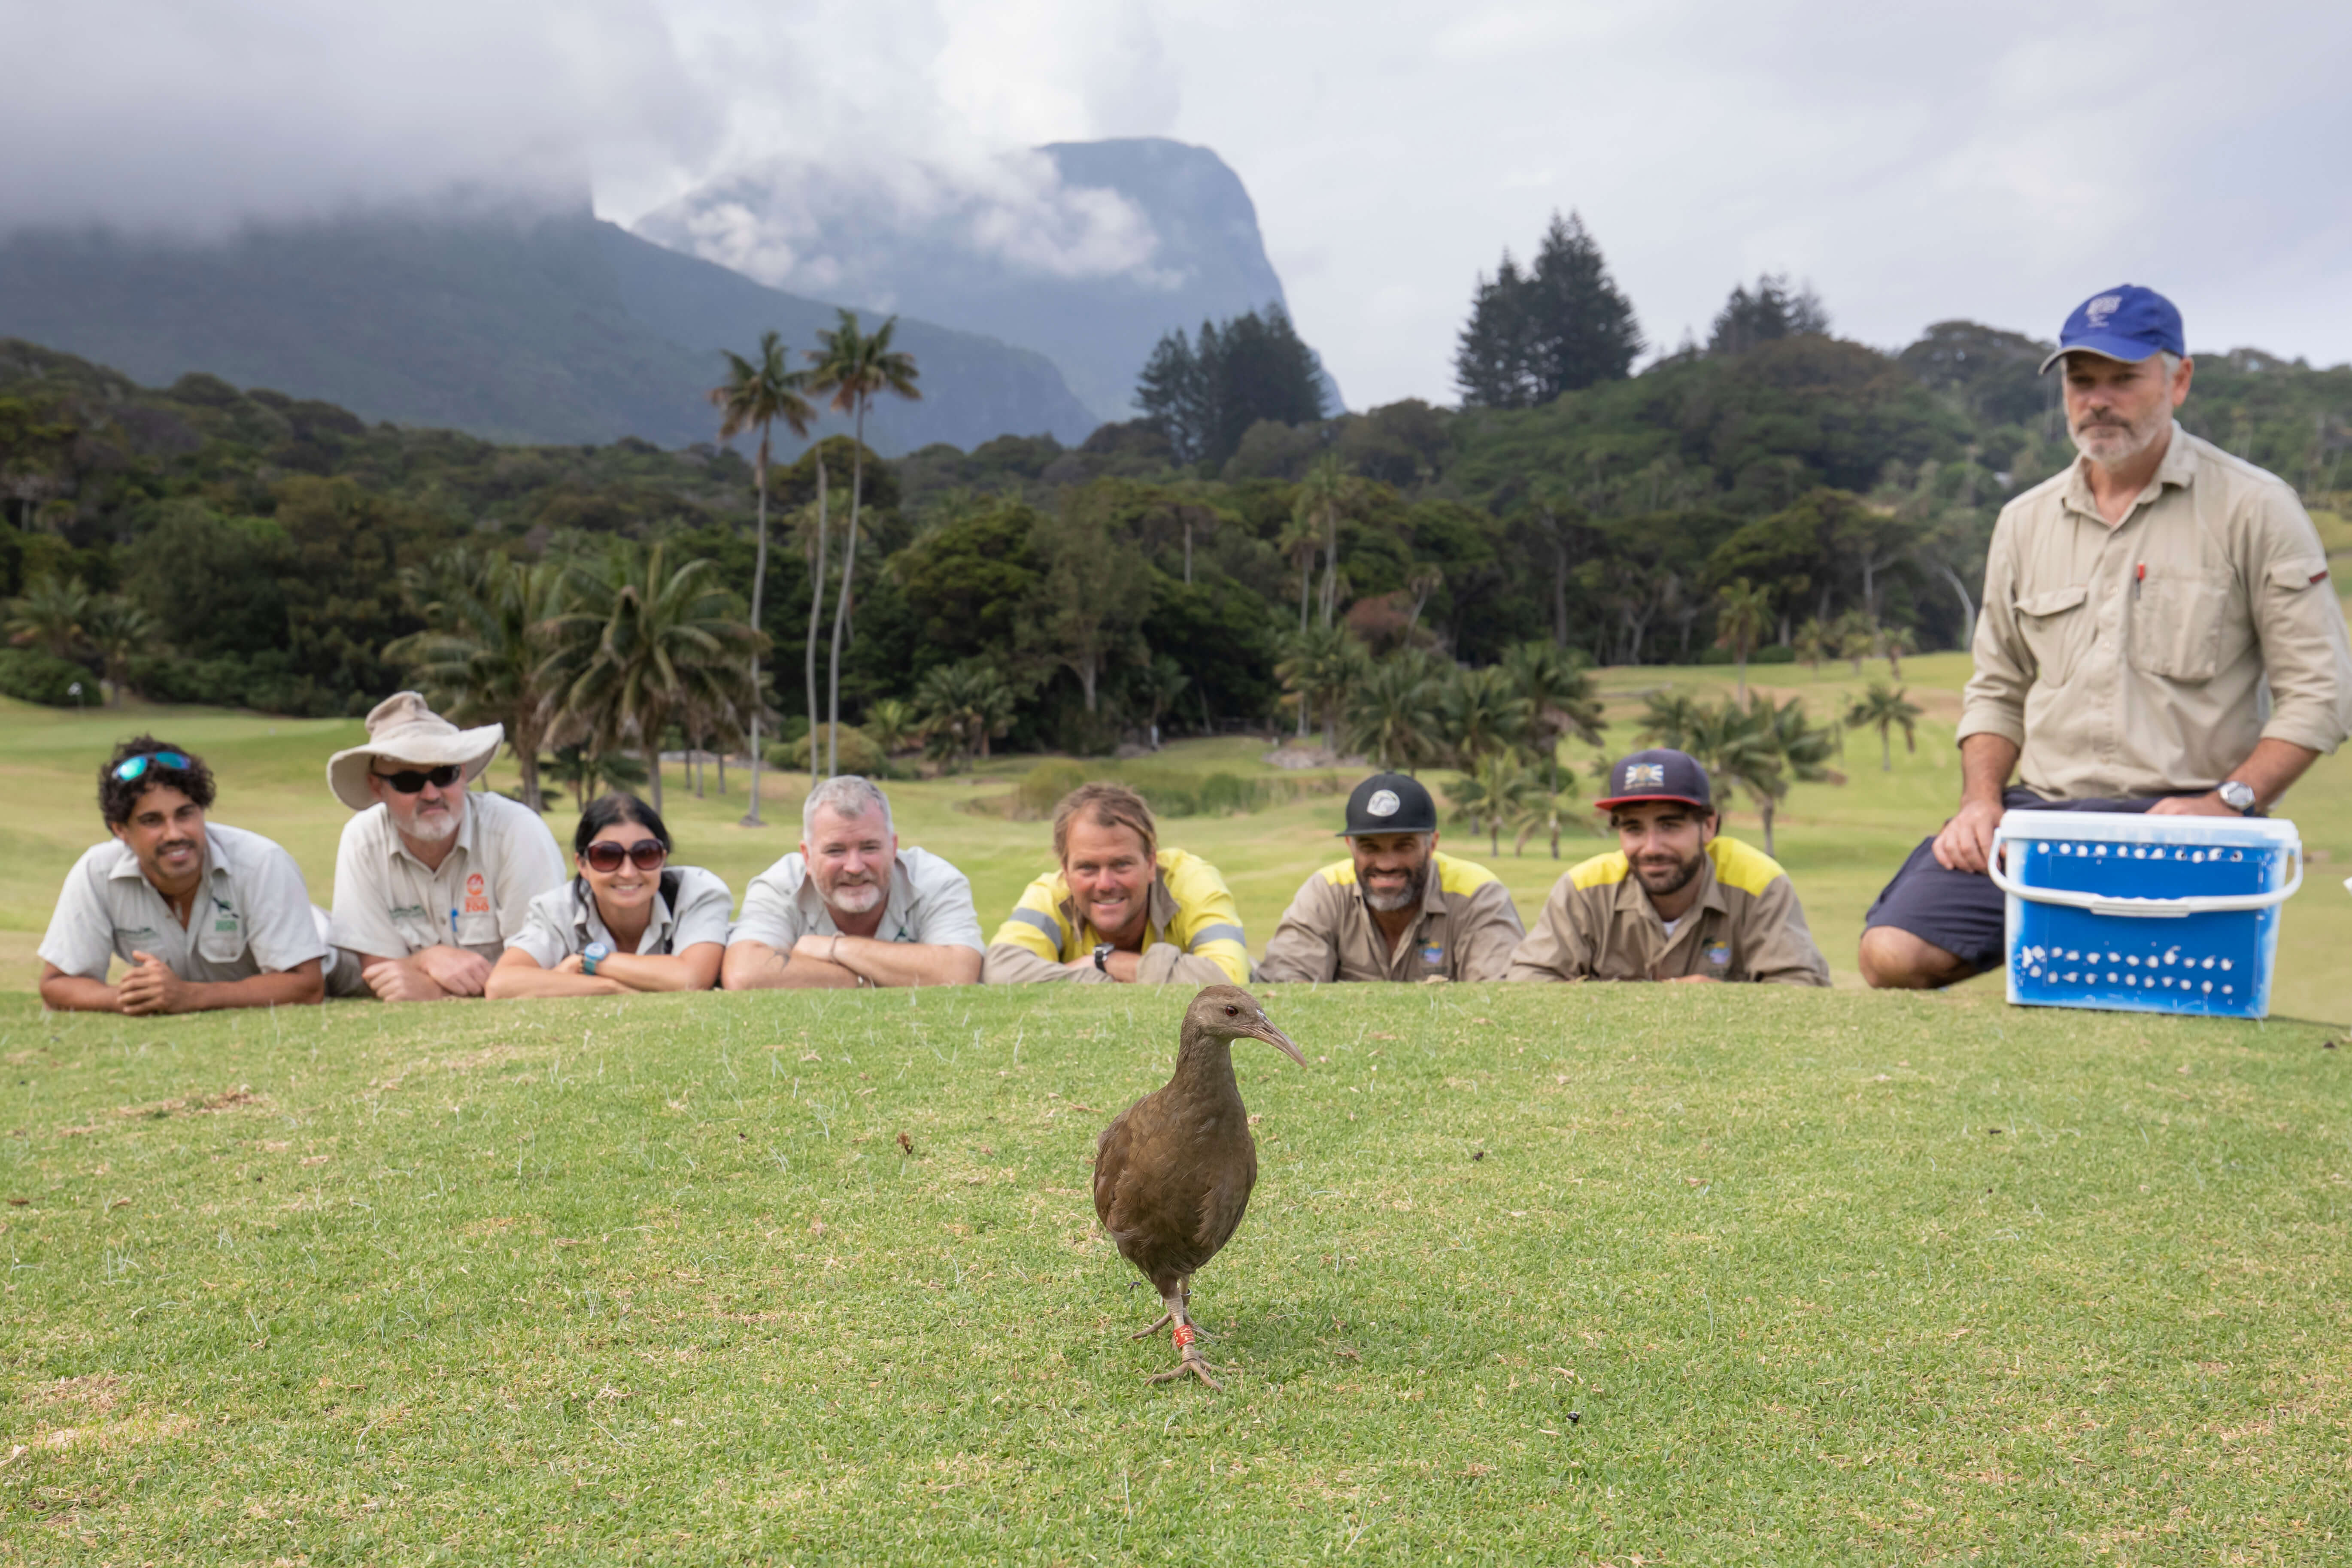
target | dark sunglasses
[
  {"x": 130, "y": 768},
  {"x": 645, "y": 855},
  {"x": 408, "y": 781}
]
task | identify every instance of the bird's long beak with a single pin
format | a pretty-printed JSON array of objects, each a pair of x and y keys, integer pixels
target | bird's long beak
[{"x": 1264, "y": 1030}]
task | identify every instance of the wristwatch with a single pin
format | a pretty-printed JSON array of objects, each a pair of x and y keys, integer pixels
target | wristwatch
[
  {"x": 1103, "y": 949},
  {"x": 2239, "y": 797},
  {"x": 595, "y": 953}
]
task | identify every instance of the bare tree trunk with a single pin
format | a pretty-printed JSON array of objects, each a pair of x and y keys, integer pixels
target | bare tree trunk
[
  {"x": 841, "y": 607},
  {"x": 1765, "y": 806},
  {"x": 759, "y": 587},
  {"x": 1330, "y": 562},
  {"x": 1187, "y": 552},
  {"x": 1967, "y": 606},
  {"x": 816, "y": 610}
]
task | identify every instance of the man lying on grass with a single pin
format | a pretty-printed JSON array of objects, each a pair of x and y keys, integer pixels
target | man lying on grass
[
  {"x": 2155, "y": 636},
  {"x": 628, "y": 921},
  {"x": 1396, "y": 909},
  {"x": 851, "y": 908},
  {"x": 206, "y": 915},
  {"x": 432, "y": 880},
  {"x": 1121, "y": 907},
  {"x": 1676, "y": 901}
]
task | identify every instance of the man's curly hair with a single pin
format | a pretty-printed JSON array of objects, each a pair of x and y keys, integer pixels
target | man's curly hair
[{"x": 117, "y": 798}]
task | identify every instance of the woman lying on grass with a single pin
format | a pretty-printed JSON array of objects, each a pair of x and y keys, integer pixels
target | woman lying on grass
[{"x": 624, "y": 923}]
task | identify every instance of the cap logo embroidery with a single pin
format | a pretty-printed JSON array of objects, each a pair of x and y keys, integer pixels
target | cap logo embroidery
[
  {"x": 1646, "y": 775},
  {"x": 1384, "y": 803},
  {"x": 2096, "y": 312}
]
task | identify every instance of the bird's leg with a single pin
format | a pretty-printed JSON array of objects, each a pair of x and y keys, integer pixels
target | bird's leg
[
  {"x": 1192, "y": 1363},
  {"x": 1161, "y": 1321}
]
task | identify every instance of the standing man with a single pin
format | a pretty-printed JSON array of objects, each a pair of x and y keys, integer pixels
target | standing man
[
  {"x": 1395, "y": 909},
  {"x": 851, "y": 908},
  {"x": 2157, "y": 635},
  {"x": 1676, "y": 901},
  {"x": 1121, "y": 907},
  {"x": 432, "y": 880},
  {"x": 206, "y": 915}
]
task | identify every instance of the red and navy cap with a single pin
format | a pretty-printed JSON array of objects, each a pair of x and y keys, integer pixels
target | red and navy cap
[
  {"x": 2125, "y": 322},
  {"x": 1657, "y": 774}
]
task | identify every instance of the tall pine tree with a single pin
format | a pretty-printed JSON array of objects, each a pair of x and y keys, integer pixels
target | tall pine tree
[
  {"x": 1772, "y": 311},
  {"x": 1205, "y": 395},
  {"x": 1561, "y": 325}
]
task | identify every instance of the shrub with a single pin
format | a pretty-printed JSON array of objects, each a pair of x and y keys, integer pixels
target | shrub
[
  {"x": 858, "y": 753},
  {"x": 31, "y": 675}
]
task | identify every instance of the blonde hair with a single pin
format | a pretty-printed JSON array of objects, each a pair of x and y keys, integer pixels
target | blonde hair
[{"x": 1105, "y": 805}]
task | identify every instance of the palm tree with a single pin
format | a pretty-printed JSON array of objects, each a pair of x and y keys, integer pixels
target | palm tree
[
  {"x": 1883, "y": 708},
  {"x": 1392, "y": 712},
  {"x": 856, "y": 367},
  {"x": 1545, "y": 813},
  {"x": 754, "y": 397},
  {"x": 1895, "y": 642},
  {"x": 1493, "y": 790},
  {"x": 1318, "y": 663},
  {"x": 118, "y": 630},
  {"x": 51, "y": 614},
  {"x": 481, "y": 653},
  {"x": 963, "y": 706},
  {"x": 1813, "y": 642},
  {"x": 811, "y": 527},
  {"x": 587, "y": 774},
  {"x": 892, "y": 725},
  {"x": 1669, "y": 719},
  {"x": 1300, "y": 540},
  {"x": 1856, "y": 637},
  {"x": 1482, "y": 713},
  {"x": 1743, "y": 613},
  {"x": 1324, "y": 491},
  {"x": 1560, "y": 698},
  {"x": 1160, "y": 683},
  {"x": 1422, "y": 581},
  {"x": 642, "y": 642}
]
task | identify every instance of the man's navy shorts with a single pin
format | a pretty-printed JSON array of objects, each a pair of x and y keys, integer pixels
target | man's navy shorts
[{"x": 1962, "y": 911}]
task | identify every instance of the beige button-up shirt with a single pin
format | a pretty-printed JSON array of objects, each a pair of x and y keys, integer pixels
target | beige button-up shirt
[
  {"x": 389, "y": 904},
  {"x": 1467, "y": 930},
  {"x": 1745, "y": 924},
  {"x": 252, "y": 915},
  {"x": 2134, "y": 660}
]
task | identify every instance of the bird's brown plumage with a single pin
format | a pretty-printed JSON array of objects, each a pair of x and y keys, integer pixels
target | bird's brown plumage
[{"x": 1174, "y": 1172}]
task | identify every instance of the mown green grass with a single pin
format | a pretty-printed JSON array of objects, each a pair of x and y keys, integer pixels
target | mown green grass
[
  {"x": 1840, "y": 842},
  {"x": 1825, "y": 1277}
]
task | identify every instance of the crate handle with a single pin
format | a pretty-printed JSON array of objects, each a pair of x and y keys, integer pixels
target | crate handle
[{"x": 2151, "y": 909}]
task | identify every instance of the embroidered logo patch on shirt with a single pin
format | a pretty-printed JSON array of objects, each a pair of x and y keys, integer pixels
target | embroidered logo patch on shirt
[
  {"x": 1432, "y": 956},
  {"x": 1719, "y": 955},
  {"x": 477, "y": 902}
]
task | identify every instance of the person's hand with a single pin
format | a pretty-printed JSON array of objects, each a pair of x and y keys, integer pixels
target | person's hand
[
  {"x": 399, "y": 981},
  {"x": 1693, "y": 980},
  {"x": 573, "y": 964},
  {"x": 2205, "y": 805},
  {"x": 818, "y": 949},
  {"x": 1966, "y": 842},
  {"x": 1433, "y": 980},
  {"x": 151, "y": 988},
  {"x": 457, "y": 970}
]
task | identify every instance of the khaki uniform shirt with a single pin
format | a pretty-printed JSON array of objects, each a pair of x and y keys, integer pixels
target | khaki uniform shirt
[
  {"x": 1745, "y": 924},
  {"x": 1193, "y": 931},
  {"x": 388, "y": 904},
  {"x": 930, "y": 902},
  {"x": 1467, "y": 930},
  {"x": 252, "y": 914},
  {"x": 2132, "y": 660},
  {"x": 565, "y": 920}
]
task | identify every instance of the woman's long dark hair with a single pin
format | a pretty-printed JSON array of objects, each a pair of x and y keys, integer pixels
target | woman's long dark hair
[{"x": 603, "y": 813}]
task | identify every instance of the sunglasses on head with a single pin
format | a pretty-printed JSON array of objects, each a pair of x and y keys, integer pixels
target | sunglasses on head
[
  {"x": 645, "y": 855},
  {"x": 130, "y": 768},
  {"x": 408, "y": 781}
]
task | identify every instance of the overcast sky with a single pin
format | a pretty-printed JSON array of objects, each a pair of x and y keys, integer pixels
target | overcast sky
[{"x": 1996, "y": 161}]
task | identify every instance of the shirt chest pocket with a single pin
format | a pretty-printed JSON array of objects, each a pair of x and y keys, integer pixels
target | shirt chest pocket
[
  {"x": 2178, "y": 624},
  {"x": 478, "y": 930},
  {"x": 2053, "y": 624},
  {"x": 222, "y": 940}
]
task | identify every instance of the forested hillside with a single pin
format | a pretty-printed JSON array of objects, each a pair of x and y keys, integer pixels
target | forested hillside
[{"x": 267, "y": 552}]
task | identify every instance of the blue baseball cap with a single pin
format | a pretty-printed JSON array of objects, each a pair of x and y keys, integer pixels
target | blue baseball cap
[
  {"x": 2126, "y": 323},
  {"x": 1657, "y": 774}
]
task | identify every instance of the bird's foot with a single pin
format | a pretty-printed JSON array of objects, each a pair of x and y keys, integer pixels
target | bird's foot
[
  {"x": 1156, "y": 1324},
  {"x": 1193, "y": 1363}
]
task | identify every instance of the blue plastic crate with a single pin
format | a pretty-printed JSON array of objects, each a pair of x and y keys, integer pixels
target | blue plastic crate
[{"x": 2150, "y": 914}]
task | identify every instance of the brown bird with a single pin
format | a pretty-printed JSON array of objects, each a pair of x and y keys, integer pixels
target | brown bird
[{"x": 1173, "y": 1172}]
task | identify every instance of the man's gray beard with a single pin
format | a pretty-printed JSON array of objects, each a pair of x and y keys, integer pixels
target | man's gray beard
[
  {"x": 856, "y": 899},
  {"x": 2140, "y": 441},
  {"x": 1403, "y": 899},
  {"x": 437, "y": 830}
]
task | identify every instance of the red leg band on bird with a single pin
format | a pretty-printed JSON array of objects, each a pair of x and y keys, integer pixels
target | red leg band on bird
[{"x": 1183, "y": 1336}]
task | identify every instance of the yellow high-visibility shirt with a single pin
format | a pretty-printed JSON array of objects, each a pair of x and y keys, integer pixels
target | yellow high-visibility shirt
[{"x": 1189, "y": 908}]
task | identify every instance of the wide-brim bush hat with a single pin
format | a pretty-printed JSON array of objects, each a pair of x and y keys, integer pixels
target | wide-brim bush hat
[{"x": 404, "y": 729}]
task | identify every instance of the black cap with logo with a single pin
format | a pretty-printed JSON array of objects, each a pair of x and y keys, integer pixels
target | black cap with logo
[
  {"x": 1390, "y": 803},
  {"x": 1657, "y": 774}
]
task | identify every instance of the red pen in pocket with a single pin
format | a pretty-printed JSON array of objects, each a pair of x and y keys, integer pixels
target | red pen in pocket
[{"x": 2139, "y": 576}]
